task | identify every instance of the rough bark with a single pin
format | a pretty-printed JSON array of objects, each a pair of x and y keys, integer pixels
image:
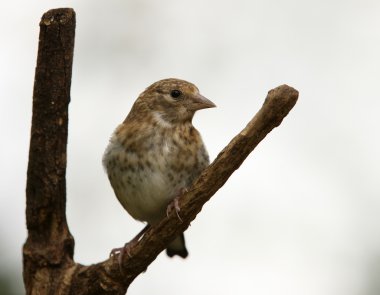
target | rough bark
[
  {"x": 48, "y": 252},
  {"x": 49, "y": 244}
]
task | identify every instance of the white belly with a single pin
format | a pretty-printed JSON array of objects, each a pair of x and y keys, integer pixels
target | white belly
[{"x": 144, "y": 191}]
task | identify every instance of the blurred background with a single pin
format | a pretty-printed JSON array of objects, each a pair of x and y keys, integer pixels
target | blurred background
[{"x": 301, "y": 215}]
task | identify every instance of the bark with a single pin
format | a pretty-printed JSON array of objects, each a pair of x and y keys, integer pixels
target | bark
[
  {"x": 48, "y": 252},
  {"x": 49, "y": 244}
]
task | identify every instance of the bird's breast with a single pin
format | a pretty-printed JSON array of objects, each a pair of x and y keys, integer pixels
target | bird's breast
[{"x": 147, "y": 174}]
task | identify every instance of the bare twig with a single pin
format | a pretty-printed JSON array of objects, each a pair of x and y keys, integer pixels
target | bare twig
[{"x": 49, "y": 241}]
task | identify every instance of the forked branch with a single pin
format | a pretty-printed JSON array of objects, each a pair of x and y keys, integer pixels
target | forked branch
[{"x": 48, "y": 264}]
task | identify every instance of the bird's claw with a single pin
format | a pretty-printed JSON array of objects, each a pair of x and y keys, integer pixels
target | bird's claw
[
  {"x": 119, "y": 252},
  {"x": 127, "y": 248},
  {"x": 174, "y": 205}
]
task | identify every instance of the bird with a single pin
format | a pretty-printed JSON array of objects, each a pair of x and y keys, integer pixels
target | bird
[{"x": 156, "y": 153}]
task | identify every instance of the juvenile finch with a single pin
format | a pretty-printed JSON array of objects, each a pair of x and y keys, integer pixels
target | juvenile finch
[{"x": 156, "y": 153}]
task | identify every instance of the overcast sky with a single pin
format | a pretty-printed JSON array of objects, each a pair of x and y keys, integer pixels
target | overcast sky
[{"x": 301, "y": 215}]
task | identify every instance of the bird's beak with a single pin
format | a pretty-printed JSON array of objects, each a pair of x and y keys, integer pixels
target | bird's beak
[{"x": 201, "y": 102}]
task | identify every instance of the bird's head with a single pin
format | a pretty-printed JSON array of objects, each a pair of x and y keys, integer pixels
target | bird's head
[{"x": 173, "y": 100}]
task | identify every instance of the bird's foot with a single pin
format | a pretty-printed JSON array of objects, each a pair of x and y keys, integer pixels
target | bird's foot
[
  {"x": 120, "y": 252},
  {"x": 174, "y": 205},
  {"x": 126, "y": 249}
]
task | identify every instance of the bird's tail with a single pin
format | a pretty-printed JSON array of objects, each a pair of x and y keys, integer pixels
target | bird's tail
[{"x": 177, "y": 247}]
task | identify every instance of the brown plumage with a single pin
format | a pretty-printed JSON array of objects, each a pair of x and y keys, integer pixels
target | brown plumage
[{"x": 156, "y": 152}]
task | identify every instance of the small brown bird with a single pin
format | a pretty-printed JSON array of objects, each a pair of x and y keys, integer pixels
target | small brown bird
[{"x": 156, "y": 153}]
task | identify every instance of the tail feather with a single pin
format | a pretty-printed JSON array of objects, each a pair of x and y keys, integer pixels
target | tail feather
[{"x": 177, "y": 247}]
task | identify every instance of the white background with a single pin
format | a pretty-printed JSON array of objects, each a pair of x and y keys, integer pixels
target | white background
[{"x": 301, "y": 215}]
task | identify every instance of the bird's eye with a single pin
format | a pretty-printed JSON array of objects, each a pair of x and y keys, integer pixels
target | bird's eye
[{"x": 175, "y": 93}]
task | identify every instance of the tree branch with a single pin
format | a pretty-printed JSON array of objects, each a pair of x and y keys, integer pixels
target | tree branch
[
  {"x": 48, "y": 252},
  {"x": 276, "y": 106},
  {"x": 49, "y": 241}
]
